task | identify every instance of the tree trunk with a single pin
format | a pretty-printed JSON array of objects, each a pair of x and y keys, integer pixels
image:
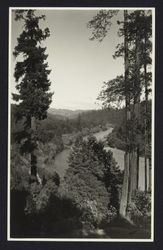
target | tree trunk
[
  {"x": 137, "y": 179},
  {"x": 135, "y": 153},
  {"x": 150, "y": 168},
  {"x": 145, "y": 172},
  {"x": 137, "y": 103},
  {"x": 131, "y": 172},
  {"x": 33, "y": 153},
  {"x": 133, "y": 175},
  {"x": 126, "y": 177},
  {"x": 145, "y": 132},
  {"x": 33, "y": 164},
  {"x": 146, "y": 111},
  {"x": 124, "y": 195}
]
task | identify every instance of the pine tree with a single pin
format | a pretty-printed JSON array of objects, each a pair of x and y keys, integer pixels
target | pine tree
[
  {"x": 126, "y": 88},
  {"x": 101, "y": 24},
  {"x": 32, "y": 83},
  {"x": 140, "y": 30}
]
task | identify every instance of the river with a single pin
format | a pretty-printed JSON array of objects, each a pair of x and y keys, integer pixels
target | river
[{"x": 61, "y": 160}]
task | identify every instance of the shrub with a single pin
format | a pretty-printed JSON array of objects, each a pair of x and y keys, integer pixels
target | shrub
[
  {"x": 19, "y": 171},
  {"x": 115, "y": 142},
  {"x": 89, "y": 181},
  {"x": 39, "y": 196},
  {"x": 50, "y": 214},
  {"x": 140, "y": 209}
]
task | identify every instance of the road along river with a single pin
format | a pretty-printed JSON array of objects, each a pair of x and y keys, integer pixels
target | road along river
[{"x": 61, "y": 160}]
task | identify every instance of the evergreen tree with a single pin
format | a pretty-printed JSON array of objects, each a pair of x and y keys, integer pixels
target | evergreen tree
[
  {"x": 140, "y": 30},
  {"x": 126, "y": 88},
  {"x": 101, "y": 24},
  {"x": 32, "y": 83},
  {"x": 93, "y": 180},
  {"x": 147, "y": 49}
]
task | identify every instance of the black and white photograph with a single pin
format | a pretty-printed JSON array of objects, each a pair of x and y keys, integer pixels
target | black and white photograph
[{"x": 81, "y": 124}]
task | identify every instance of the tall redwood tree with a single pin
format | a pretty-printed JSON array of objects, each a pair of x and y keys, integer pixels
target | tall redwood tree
[
  {"x": 127, "y": 87},
  {"x": 32, "y": 84}
]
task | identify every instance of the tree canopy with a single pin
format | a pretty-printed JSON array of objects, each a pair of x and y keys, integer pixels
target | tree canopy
[{"x": 31, "y": 70}]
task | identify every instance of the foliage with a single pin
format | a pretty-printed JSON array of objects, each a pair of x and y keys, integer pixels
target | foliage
[
  {"x": 19, "y": 171},
  {"x": 114, "y": 142},
  {"x": 140, "y": 208},
  {"x": 31, "y": 75},
  {"x": 101, "y": 24},
  {"x": 92, "y": 181},
  {"x": 103, "y": 116},
  {"x": 50, "y": 130},
  {"x": 44, "y": 212},
  {"x": 39, "y": 196},
  {"x": 20, "y": 166},
  {"x": 113, "y": 92},
  {"x": 39, "y": 210},
  {"x": 117, "y": 137},
  {"x": 136, "y": 47},
  {"x": 136, "y": 29}
]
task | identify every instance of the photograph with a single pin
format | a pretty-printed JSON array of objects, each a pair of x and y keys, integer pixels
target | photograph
[{"x": 81, "y": 124}]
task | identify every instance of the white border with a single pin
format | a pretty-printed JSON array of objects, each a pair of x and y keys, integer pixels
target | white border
[
  {"x": 9, "y": 133},
  {"x": 153, "y": 129}
]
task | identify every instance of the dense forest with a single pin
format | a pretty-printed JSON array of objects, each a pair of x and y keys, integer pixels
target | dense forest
[
  {"x": 54, "y": 126},
  {"x": 93, "y": 197}
]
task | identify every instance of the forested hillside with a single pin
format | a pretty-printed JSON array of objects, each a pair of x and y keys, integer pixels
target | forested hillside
[
  {"x": 64, "y": 179},
  {"x": 57, "y": 124}
]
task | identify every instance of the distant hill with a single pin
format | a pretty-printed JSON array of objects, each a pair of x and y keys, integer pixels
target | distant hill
[
  {"x": 64, "y": 121},
  {"x": 103, "y": 116},
  {"x": 95, "y": 117},
  {"x": 71, "y": 114}
]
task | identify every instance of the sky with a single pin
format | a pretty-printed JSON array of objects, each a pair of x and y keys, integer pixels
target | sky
[{"x": 78, "y": 66}]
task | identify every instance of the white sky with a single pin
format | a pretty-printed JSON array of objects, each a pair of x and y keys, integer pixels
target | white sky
[{"x": 79, "y": 66}]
